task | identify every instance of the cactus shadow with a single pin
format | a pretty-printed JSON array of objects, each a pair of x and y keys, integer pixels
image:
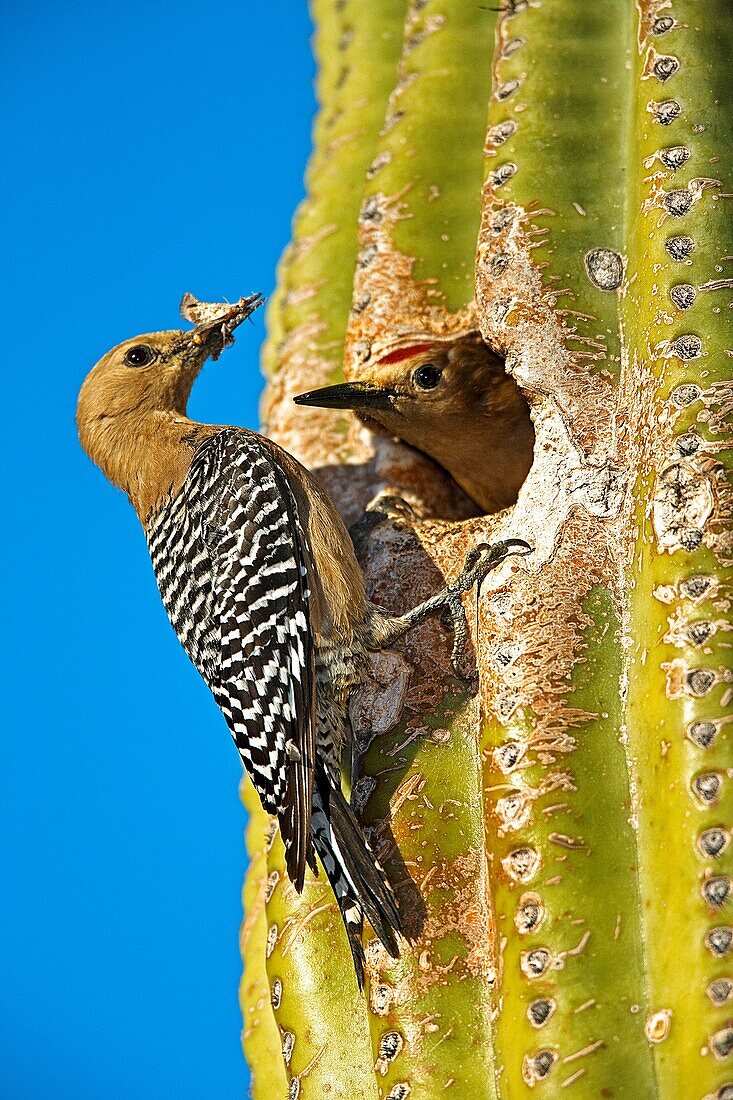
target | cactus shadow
[{"x": 415, "y": 681}]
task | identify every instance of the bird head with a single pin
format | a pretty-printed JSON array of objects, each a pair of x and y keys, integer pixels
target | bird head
[
  {"x": 155, "y": 372},
  {"x": 453, "y": 401},
  {"x": 420, "y": 388},
  {"x": 143, "y": 384}
]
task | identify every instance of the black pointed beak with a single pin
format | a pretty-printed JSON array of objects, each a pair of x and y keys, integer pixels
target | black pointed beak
[
  {"x": 349, "y": 395},
  {"x": 215, "y": 322},
  {"x": 246, "y": 307}
]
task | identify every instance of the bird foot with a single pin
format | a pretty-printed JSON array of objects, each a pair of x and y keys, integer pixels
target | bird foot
[
  {"x": 479, "y": 563},
  {"x": 455, "y": 613},
  {"x": 487, "y": 556},
  {"x": 393, "y": 507}
]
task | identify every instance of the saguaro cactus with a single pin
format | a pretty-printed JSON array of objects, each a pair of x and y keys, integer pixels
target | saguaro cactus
[{"x": 559, "y": 837}]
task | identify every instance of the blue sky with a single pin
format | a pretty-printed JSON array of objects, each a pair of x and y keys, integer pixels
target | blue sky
[{"x": 149, "y": 149}]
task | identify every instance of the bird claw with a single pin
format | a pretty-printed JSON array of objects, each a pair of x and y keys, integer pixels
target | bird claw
[
  {"x": 394, "y": 508},
  {"x": 479, "y": 563},
  {"x": 487, "y": 556}
]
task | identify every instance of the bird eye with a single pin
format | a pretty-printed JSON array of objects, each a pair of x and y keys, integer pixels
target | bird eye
[
  {"x": 427, "y": 376},
  {"x": 139, "y": 356}
]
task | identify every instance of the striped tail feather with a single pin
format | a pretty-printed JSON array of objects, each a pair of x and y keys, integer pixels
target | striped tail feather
[{"x": 358, "y": 881}]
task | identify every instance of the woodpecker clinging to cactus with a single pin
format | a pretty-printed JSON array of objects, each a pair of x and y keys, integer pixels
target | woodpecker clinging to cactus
[
  {"x": 259, "y": 579},
  {"x": 455, "y": 403}
]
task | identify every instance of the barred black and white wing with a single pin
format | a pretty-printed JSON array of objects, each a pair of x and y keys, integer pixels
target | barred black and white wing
[
  {"x": 264, "y": 682},
  {"x": 232, "y": 561}
]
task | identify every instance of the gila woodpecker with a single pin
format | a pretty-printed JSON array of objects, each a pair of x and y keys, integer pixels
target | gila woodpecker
[
  {"x": 455, "y": 403},
  {"x": 259, "y": 578}
]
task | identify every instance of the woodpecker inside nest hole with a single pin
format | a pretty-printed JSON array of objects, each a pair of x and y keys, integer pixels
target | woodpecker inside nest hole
[
  {"x": 455, "y": 402},
  {"x": 259, "y": 578}
]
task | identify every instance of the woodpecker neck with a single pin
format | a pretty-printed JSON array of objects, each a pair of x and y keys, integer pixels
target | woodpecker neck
[
  {"x": 486, "y": 447},
  {"x": 146, "y": 453},
  {"x": 488, "y": 457}
]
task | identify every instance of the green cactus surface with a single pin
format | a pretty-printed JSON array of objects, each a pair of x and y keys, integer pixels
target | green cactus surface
[
  {"x": 606, "y": 216},
  {"x": 558, "y": 830},
  {"x": 261, "y": 1040},
  {"x": 421, "y": 208}
]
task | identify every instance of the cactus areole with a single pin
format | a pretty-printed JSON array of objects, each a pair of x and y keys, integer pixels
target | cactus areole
[{"x": 558, "y": 829}]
